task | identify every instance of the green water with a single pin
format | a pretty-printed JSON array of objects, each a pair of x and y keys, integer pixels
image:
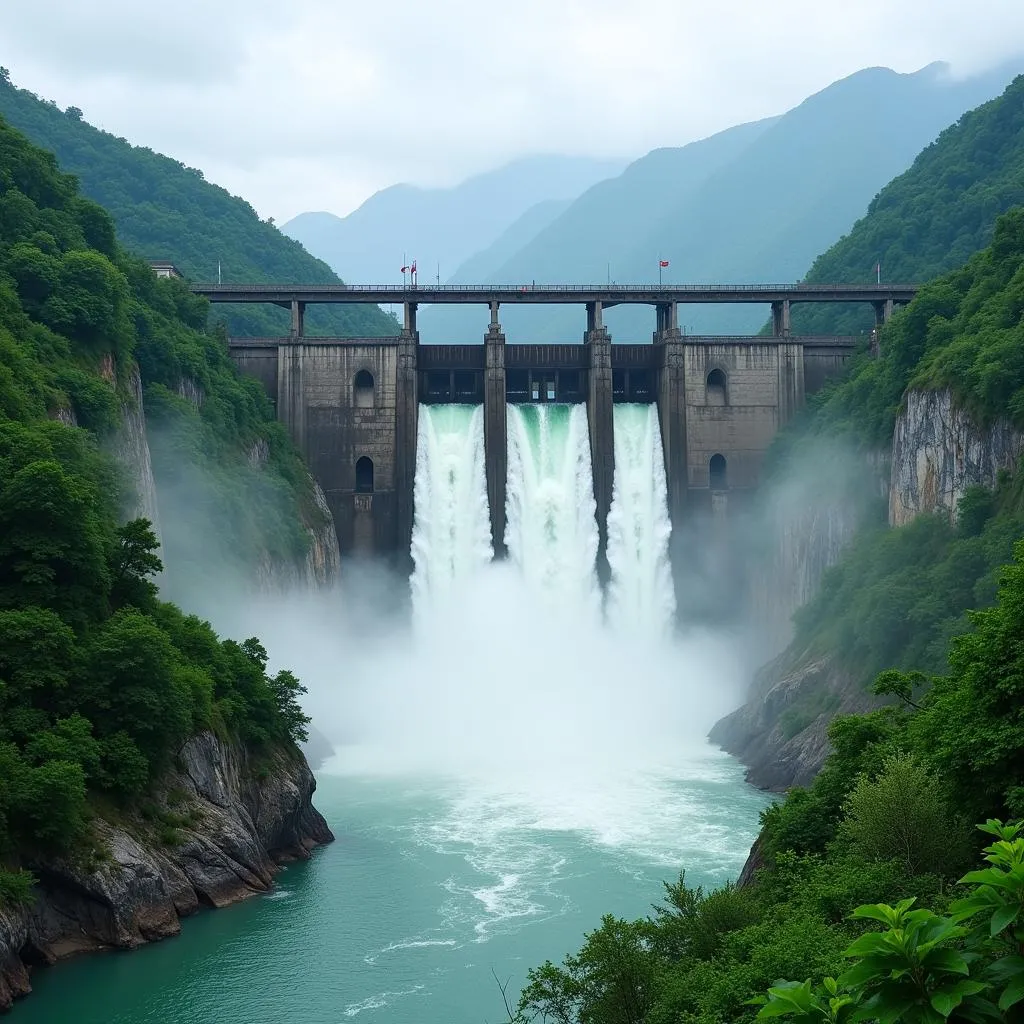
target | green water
[{"x": 430, "y": 886}]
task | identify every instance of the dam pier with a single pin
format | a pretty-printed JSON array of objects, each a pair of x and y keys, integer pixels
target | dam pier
[{"x": 351, "y": 405}]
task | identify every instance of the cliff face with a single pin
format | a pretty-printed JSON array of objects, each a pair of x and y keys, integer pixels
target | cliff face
[
  {"x": 938, "y": 452},
  {"x": 130, "y": 446},
  {"x": 243, "y": 820}
]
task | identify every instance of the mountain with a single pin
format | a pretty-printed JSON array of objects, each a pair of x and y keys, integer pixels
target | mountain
[
  {"x": 165, "y": 210},
  {"x": 440, "y": 227},
  {"x": 933, "y": 217},
  {"x": 755, "y": 203},
  {"x": 482, "y": 264}
]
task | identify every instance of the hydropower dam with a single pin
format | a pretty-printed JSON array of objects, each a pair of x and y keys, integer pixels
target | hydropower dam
[{"x": 471, "y": 450}]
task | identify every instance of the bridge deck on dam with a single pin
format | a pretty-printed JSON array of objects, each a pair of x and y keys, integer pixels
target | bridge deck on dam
[{"x": 607, "y": 295}]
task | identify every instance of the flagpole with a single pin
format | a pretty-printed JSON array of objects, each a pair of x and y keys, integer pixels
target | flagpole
[
  {"x": 659, "y": 270},
  {"x": 878, "y": 272}
]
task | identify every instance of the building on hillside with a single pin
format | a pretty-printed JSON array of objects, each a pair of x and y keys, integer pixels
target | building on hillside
[{"x": 164, "y": 268}]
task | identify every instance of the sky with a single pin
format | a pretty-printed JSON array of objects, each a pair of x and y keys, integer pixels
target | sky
[{"x": 315, "y": 104}]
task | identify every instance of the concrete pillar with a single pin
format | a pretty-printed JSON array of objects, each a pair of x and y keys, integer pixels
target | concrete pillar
[
  {"x": 883, "y": 311},
  {"x": 600, "y": 420},
  {"x": 671, "y": 395},
  {"x": 298, "y": 318},
  {"x": 780, "y": 319},
  {"x": 410, "y": 318},
  {"x": 791, "y": 380},
  {"x": 495, "y": 429},
  {"x": 406, "y": 422},
  {"x": 291, "y": 399},
  {"x": 667, "y": 318}
]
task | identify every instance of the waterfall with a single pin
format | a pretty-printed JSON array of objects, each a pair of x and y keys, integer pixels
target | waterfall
[
  {"x": 551, "y": 529},
  {"x": 451, "y": 536},
  {"x": 641, "y": 598}
]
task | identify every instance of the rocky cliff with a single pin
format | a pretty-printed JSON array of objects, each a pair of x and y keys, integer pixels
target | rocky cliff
[
  {"x": 220, "y": 826},
  {"x": 937, "y": 452}
]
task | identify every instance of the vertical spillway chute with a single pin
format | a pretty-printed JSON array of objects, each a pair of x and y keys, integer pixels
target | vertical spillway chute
[
  {"x": 451, "y": 537},
  {"x": 551, "y": 529},
  {"x": 641, "y": 598}
]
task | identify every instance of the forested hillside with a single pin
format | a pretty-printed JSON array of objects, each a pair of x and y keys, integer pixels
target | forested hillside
[
  {"x": 99, "y": 680},
  {"x": 932, "y": 218},
  {"x": 165, "y": 210},
  {"x": 861, "y": 898}
]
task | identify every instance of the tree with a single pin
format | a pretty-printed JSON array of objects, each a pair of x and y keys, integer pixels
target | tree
[{"x": 132, "y": 562}]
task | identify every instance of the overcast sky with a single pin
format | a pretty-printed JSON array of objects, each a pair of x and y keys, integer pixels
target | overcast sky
[{"x": 315, "y": 104}]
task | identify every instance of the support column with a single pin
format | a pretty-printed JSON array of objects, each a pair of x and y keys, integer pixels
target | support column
[
  {"x": 406, "y": 423},
  {"x": 410, "y": 319},
  {"x": 671, "y": 393},
  {"x": 291, "y": 404},
  {"x": 298, "y": 318},
  {"x": 495, "y": 429},
  {"x": 780, "y": 319},
  {"x": 601, "y": 423},
  {"x": 791, "y": 380},
  {"x": 883, "y": 311}
]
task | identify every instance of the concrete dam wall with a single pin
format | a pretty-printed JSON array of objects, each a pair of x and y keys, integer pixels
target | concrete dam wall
[{"x": 351, "y": 406}]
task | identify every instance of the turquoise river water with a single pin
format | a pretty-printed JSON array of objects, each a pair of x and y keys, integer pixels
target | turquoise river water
[{"x": 429, "y": 888}]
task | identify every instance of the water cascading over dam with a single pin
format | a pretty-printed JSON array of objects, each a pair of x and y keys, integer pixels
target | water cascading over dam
[
  {"x": 451, "y": 536},
  {"x": 551, "y": 532},
  {"x": 641, "y": 598}
]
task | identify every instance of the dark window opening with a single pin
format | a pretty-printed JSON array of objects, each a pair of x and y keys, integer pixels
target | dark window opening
[
  {"x": 619, "y": 389},
  {"x": 716, "y": 388},
  {"x": 466, "y": 387},
  {"x": 569, "y": 385},
  {"x": 364, "y": 475},
  {"x": 517, "y": 385},
  {"x": 438, "y": 385},
  {"x": 364, "y": 389},
  {"x": 716, "y": 473}
]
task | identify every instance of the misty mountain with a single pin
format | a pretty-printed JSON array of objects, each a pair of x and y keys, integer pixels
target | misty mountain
[
  {"x": 753, "y": 204},
  {"x": 440, "y": 227},
  {"x": 165, "y": 210}
]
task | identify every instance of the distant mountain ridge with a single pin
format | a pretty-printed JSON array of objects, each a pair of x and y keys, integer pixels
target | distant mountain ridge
[
  {"x": 754, "y": 203},
  {"x": 165, "y": 210},
  {"x": 440, "y": 227}
]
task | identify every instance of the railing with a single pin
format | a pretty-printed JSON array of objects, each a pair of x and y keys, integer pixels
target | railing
[{"x": 399, "y": 289}]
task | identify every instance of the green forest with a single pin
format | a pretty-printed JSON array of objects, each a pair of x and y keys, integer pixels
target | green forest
[
  {"x": 932, "y": 218},
  {"x": 865, "y": 906},
  {"x": 100, "y": 681},
  {"x": 165, "y": 210}
]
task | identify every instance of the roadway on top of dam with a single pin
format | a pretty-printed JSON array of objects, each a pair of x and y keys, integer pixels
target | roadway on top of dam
[{"x": 606, "y": 295}]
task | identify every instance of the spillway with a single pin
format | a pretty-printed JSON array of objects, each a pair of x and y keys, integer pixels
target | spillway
[
  {"x": 640, "y": 596},
  {"x": 551, "y": 526},
  {"x": 451, "y": 537}
]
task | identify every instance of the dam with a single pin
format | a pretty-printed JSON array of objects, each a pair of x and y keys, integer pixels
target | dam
[{"x": 361, "y": 409}]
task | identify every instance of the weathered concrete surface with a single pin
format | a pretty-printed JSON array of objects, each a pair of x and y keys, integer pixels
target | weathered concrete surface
[
  {"x": 938, "y": 452},
  {"x": 244, "y": 821}
]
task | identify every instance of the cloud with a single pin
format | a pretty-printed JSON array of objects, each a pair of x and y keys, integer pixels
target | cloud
[{"x": 315, "y": 104}]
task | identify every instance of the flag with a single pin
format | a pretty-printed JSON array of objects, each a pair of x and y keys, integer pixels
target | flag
[
  {"x": 404, "y": 269},
  {"x": 413, "y": 267},
  {"x": 662, "y": 263}
]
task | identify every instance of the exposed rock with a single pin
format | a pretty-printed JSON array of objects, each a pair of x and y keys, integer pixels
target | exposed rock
[
  {"x": 130, "y": 446},
  {"x": 938, "y": 452},
  {"x": 781, "y": 731},
  {"x": 241, "y": 825},
  {"x": 754, "y": 862},
  {"x": 191, "y": 391}
]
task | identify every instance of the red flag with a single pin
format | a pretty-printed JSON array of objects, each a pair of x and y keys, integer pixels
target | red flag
[
  {"x": 404, "y": 269},
  {"x": 413, "y": 267},
  {"x": 662, "y": 263}
]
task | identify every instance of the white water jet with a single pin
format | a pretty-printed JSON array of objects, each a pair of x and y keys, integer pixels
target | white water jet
[
  {"x": 551, "y": 526},
  {"x": 451, "y": 536},
  {"x": 641, "y": 598}
]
